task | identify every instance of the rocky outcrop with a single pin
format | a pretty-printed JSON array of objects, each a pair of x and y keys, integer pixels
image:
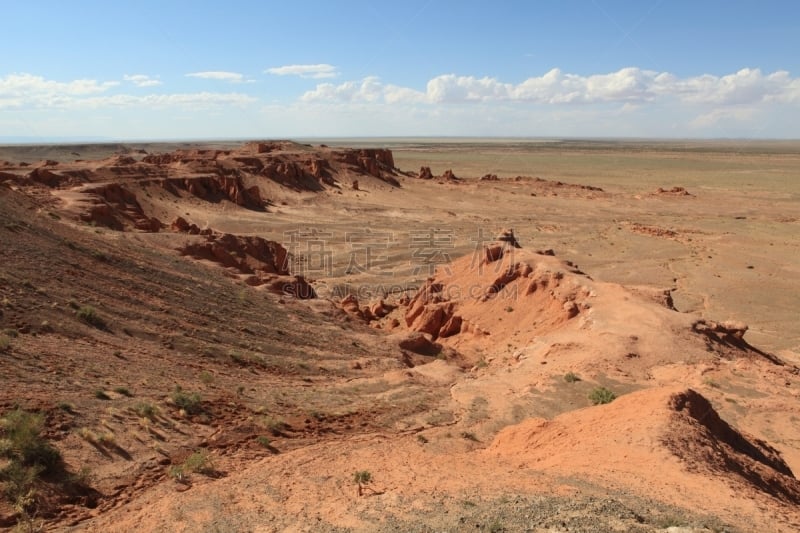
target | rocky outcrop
[
  {"x": 181, "y": 225},
  {"x": 507, "y": 237},
  {"x": 376, "y": 162},
  {"x": 420, "y": 343},
  {"x": 259, "y": 261},
  {"x": 296, "y": 287},
  {"x": 380, "y": 309},
  {"x": 295, "y": 175},
  {"x": 449, "y": 176},
  {"x": 674, "y": 191},
  {"x": 246, "y": 254},
  {"x": 115, "y": 207},
  {"x": 217, "y": 188},
  {"x": 425, "y": 173}
]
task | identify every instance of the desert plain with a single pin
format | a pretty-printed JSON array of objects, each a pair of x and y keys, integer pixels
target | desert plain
[{"x": 401, "y": 335}]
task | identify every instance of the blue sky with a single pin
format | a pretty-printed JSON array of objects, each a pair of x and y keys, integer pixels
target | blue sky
[{"x": 238, "y": 69}]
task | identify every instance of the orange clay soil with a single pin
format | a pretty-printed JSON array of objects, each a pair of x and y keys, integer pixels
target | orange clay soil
[{"x": 197, "y": 370}]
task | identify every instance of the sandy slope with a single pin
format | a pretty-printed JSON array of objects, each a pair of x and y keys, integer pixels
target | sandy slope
[{"x": 486, "y": 433}]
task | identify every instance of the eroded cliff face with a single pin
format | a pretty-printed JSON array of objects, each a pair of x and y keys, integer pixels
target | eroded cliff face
[{"x": 111, "y": 188}]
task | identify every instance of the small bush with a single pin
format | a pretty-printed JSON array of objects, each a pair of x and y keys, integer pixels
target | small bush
[
  {"x": 206, "y": 377},
  {"x": 601, "y": 395},
  {"x": 571, "y": 377},
  {"x": 275, "y": 425},
  {"x": 123, "y": 391},
  {"x": 5, "y": 343},
  {"x": 264, "y": 441},
  {"x": 101, "y": 395},
  {"x": 469, "y": 436},
  {"x": 200, "y": 463},
  {"x": 146, "y": 409},
  {"x": 188, "y": 401},
  {"x": 177, "y": 473},
  {"x": 361, "y": 478},
  {"x": 88, "y": 314},
  {"x": 88, "y": 435},
  {"x": 22, "y": 441},
  {"x": 422, "y": 439}
]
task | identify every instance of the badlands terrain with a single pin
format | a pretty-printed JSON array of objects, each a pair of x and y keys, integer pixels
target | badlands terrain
[{"x": 400, "y": 335}]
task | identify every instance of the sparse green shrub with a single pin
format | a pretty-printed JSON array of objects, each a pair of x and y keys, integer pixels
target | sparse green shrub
[
  {"x": 26, "y": 455},
  {"x": 101, "y": 395},
  {"x": 177, "y": 473},
  {"x": 238, "y": 358},
  {"x": 206, "y": 377},
  {"x": 469, "y": 436},
  {"x": 362, "y": 478},
  {"x": 188, "y": 401},
  {"x": 571, "y": 377},
  {"x": 275, "y": 425},
  {"x": 422, "y": 439},
  {"x": 23, "y": 443},
  {"x": 601, "y": 395},
  {"x": 496, "y": 527},
  {"x": 123, "y": 391},
  {"x": 146, "y": 409},
  {"x": 200, "y": 463},
  {"x": 88, "y": 314},
  {"x": 88, "y": 435},
  {"x": 264, "y": 441},
  {"x": 5, "y": 343},
  {"x": 106, "y": 438}
]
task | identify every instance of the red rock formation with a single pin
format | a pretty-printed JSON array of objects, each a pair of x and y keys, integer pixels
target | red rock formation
[
  {"x": 113, "y": 206},
  {"x": 425, "y": 173},
  {"x": 247, "y": 254},
  {"x": 420, "y": 343},
  {"x": 449, "y": 176},
  {"x": 216, "y": 188}
]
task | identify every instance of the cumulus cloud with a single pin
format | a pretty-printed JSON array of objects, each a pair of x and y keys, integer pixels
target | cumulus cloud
[
  {"x": 220, "y": 75},
  {"x": 27, "y": 84},
  {"x": 320, "y": 70},
  {"x": 141, "y": 80},
  {"x": 626, "y": 86}
]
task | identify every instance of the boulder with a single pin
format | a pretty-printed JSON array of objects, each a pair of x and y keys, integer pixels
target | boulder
[{"x": 420, "y": 343}]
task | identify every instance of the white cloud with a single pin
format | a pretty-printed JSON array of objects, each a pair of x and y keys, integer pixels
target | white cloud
[
  {"x": 370, "y": 89},
  {"x": 25, "y": 85},
  {"x": 141, "y": 80},
  {"x": 320, "y": 70},
  {"x": 233, "y": 77},
  {"x": 627, "y": 102},
  {"x": 21, "y": 91},
  {"x": 626, "y": 86},
  {"x": 723, "y": 116},
  {"x": 191, "y": 100}
]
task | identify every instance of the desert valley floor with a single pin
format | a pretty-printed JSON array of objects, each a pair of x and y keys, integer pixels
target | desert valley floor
[{"x": 400, "y": 335}]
